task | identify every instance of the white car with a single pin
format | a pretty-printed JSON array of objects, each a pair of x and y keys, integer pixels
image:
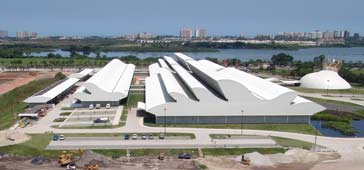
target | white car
[
  {"x": 61, "y": 137},
  {"x": 134, "y": 137},
  {"x": 108, "y": 106},
  {"x": 91, "y": 107}
]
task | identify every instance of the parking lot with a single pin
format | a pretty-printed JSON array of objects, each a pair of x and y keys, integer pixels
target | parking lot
[{"x": 83, "y": 117}]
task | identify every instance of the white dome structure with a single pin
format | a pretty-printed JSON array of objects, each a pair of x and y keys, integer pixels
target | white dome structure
[{"x": 324, "y": 79}]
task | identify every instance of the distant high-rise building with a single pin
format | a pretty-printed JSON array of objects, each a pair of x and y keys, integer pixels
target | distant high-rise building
[
  {"x": 145, "y": 35},
  {"x": 328, "y": 34},
  {"x": 200, "y": 33},
  {"x": 25, "y": 34},
  {"x": 356, "y": 35},
  {"x": 3, "y": 34},
  {"x": 186, "y": 33},
  {"x": 346, "y": 34}
]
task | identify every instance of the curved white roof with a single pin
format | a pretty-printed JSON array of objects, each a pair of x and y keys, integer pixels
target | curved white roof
[
  {"x": 207, "y": 80},
  {"x": 325, "y": 79},
  {"x": 111, "y": 83}
]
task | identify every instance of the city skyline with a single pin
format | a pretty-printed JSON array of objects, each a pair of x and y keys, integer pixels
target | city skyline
[{"x": 113, "y": 18}]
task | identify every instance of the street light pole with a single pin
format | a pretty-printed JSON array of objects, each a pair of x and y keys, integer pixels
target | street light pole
[
  {"x": 165, "y": 121},
  {"x": 242, "y": 121},
  {"x": 316, "y": 140},
  {"x": 327, "y": 87}
]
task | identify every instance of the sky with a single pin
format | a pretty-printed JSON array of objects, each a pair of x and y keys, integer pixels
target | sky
[{"x": 167, "y": 17}]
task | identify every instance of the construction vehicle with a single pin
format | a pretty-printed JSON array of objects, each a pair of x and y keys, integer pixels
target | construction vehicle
[
  {"x": 161, "y": 156},
  {"x": 91, "y": 166},
  {"x": 244, "y": 160},
  {"x": 65, "y": 158},
  {"x": 68, "y": 157}
]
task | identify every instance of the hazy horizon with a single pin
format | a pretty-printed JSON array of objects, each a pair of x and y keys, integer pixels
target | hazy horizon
[{"x": 165, "y": 17}]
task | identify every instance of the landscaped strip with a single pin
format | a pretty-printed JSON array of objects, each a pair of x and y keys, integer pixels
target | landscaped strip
[{"x": 12, "y": 103}]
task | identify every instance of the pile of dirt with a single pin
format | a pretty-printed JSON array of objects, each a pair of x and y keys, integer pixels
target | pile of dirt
[
  {"x": 257, "y": 159},
  {"x": 302, "y": 155},
  {"x": 91, "y": 158}
]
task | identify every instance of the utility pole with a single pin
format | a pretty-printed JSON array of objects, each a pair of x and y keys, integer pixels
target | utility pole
[
  {"x": 242, "y": 121},
  {"x": 165, "y": 122}
]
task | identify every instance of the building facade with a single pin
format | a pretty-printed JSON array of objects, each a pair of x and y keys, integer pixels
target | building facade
[
  {"x": 189, "y": 91},
  {"x": 200, "y": 33},
  {"x": 186, "y": 33},
  {"x": 25, "y": 34},
  {"x": 3, "y": 34}
]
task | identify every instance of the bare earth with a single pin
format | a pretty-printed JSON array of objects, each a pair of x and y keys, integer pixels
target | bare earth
[{"x": 12, "y": 80}]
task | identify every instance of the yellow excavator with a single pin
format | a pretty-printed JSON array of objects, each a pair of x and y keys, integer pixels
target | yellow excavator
[
  {"x": 91, "y": 167},
  {"x": 67, "y": 157}
]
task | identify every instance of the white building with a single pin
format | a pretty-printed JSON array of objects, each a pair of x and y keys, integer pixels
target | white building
[
  {"x": 190, "y": 91},
  {"x": 58, "y": 90},
  {"x": 108, "y": 86},
  {"x": 324, "y": 79}
]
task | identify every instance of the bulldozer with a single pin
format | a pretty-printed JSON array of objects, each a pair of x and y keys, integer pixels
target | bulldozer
[
  {"x": 68, "y": 157},
  {"x": 65, "y": 158}
]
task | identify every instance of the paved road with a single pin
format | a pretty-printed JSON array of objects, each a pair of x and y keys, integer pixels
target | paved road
[
  {"x": 338, "y": 98},
  {"x": 351, "y": 149}
]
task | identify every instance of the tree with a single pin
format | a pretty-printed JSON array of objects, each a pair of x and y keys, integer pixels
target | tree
[
  {"x": 282, "y": 59},
  {"x": 59, "y": 76},
  {"x": 319, "y": 61}
]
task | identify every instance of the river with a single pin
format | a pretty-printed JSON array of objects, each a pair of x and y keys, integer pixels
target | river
[{"x": 347, "y": 54}]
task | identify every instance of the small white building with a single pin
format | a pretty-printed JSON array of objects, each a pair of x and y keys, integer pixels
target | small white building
[
  {"x": 108, "y": 86},
  {"x": 324, "y": 79}
]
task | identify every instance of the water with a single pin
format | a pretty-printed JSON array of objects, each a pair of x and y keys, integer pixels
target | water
[
  {"x": 347, "y": 54},
  {"x": 357, "y": 124}
]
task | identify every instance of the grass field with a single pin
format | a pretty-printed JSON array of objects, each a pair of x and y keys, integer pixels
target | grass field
[
  {"x": 295, "y": 128},
  {"x": 11, "y": 102},
  {"x": 285, "y": 142},
  {"x": 34, "y": 147},
  {"x": 354, "y": 90},
  {"x": 133, "y": 100}
]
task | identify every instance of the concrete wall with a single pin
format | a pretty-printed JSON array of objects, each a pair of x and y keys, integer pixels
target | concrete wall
[{"x": 233, "y": 119}]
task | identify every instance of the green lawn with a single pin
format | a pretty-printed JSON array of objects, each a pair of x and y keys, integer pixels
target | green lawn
[
  {"x": 11, "y": 102},
  {"x": 359, "y": 113},
  {"x": 239, "y": 151},
  {"x": 65, "y": 114},
  {"x": 295, "y": 128},
  {"x": 354, "y": 90},
  {"x": 34, "y": 147},
  {"x": 133, "y": 100},
  {"x": 285, "y": 142}
]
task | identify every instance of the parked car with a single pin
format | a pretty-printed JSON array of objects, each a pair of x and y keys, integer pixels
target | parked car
[
  {"x": 98, "y": 106},
  {"x": 144, "y": 137},
  {"x": 108, "y": 106},
  {"x": 91, "y": 107},
  {"x": 61, "y": 137},
  {"x": 102, "y": 120},
  {"x": 184, "y": 156},
  {"x": 55, "y": 137},
  {"x": 161, "y": 136},
  {"x": 126, "y": 137},
  {"x": 151, "y": 136},
  {"x": 135, "y": 136}
]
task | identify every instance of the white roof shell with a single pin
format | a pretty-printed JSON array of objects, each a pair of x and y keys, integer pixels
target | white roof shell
[
  {"x": 53, "y": 92},
  {"x": 111, "y": 83},
  {"x": 82, "y": 74},
  {"x": 218, "y": 90},
  {"x": 324, "y": 79}
]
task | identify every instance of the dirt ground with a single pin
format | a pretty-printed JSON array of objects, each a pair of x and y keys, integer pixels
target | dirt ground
[
  {"x": 147, "y": 163},
  {"x": 17, "y": 137},
  {"x": 11, "y": 80}
]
